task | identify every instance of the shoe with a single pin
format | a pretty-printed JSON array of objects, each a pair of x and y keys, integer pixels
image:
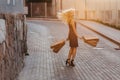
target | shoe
[
  {"x": 68, "y": 62},
  {"x": 26, "y": 54},
  {"x": 72, "y": 64}
]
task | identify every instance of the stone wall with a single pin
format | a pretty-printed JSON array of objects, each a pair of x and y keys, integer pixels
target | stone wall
[{"x": 14, "y": 47}]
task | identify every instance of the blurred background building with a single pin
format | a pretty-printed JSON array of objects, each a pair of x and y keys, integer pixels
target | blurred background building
[
  {"x": 41, "y": 8},
  {"x": 105, "y": 11},
  {"x": 11, "y": 6}
]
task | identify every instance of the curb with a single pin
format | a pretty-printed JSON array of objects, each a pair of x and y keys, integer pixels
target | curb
[
  {"x": 105, "y": 36},
  {"x": 47, "y": 19}
]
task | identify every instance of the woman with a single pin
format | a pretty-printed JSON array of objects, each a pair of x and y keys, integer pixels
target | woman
[
  {"x": 68, "y": 16},
  {"x": 73, "y": 43}
]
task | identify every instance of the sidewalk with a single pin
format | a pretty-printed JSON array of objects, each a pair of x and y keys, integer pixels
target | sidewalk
[
  {"x": 106, "y": 31},
  {"x": 43, "y": 64},
  {"x": 47, "y": 19},
  {"x": 103, "y": 30}
]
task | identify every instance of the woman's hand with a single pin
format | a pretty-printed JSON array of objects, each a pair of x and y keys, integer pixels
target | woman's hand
[
  {"x": 80, "y": 37},
  {"x": 67, "y": 39}
]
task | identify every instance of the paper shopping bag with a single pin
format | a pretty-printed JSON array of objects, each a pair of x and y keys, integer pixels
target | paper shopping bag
[
  {"x": 57, "y": 46},
  {"x": 91, "y": 40}
]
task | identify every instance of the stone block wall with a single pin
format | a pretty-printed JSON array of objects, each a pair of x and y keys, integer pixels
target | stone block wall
[{"x": 14, "y": 47}]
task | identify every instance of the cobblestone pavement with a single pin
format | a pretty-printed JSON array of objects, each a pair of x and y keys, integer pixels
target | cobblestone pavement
[
  {"x": 104, "y": 30},
  {"x": 99, "y": 63}
]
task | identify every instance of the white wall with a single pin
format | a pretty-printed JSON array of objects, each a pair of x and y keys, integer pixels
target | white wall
[
  {"x": 105, "y": 11},
  {"x": 101, "y": 10}
]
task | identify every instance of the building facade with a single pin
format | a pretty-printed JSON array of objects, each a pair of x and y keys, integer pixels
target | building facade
[
  {"x": 11, "y": 6},
  {"x": 79, "y": 5},
  {"x": 50, "y": 9},
  {"x": 41, "y": 9},
  {"x": 107, "y": 11}
]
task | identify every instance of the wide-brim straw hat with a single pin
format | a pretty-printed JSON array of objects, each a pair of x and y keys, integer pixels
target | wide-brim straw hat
[{"x": 67, "y": 14}]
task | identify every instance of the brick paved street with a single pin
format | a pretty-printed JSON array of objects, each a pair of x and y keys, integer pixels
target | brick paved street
[{"x": 99, "y": 63}]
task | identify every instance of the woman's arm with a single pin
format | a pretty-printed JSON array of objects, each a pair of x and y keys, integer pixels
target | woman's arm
[{"x": 74, "y": 29}]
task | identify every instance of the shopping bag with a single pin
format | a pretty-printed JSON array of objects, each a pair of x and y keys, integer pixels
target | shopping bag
[
  {"x": 91, "y": 40},
  {"x": 57, "y": 46}
]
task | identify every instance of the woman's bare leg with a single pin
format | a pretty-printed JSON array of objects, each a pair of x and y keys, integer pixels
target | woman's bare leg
[
  {"x": 69, "y": 56},
  {"x": 74, "y": 53},
  {"x": 70, "y": 53},
  {"x": 73, "y": 56}
]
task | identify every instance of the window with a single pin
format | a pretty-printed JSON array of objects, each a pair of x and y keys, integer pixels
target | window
[
  {"x": 8, "y": 1},
  {"x": 13, "y": 2}
]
